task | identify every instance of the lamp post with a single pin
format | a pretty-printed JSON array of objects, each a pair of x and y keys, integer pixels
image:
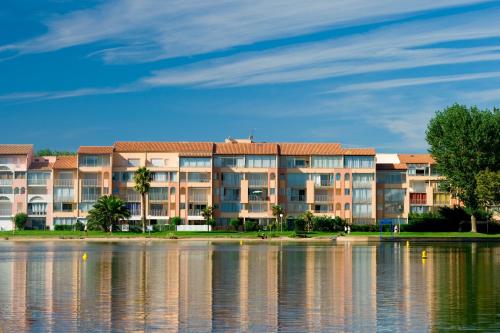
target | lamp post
[{"x": 281, "y": 219}]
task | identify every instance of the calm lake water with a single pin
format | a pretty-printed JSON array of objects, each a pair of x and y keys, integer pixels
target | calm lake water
[{"x": 199, "y": 286}]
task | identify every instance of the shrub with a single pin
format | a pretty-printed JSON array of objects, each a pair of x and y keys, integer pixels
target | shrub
[
  {"x": 60, "y": 227},
  {"x": 176, "y": 220},
  {"x": 251, "y": 226},
  {"x": 20, "y": 220},
  {"x": 163, "y": 227},
  {"x": 212, "y": 222},
  {"x": 368, "y": 227},
  {"x": 235, "y": 223},
  {"x": 79, "y": 226},
  {"x": 299, "y": 225},
  {"x": 134, "y": 228},
  {"x": 327, "y": 223}
]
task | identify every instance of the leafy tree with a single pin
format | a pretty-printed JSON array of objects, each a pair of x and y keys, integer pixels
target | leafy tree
[
  {"x": 208, "y": 213},
  {"x": 488, "y": 188},
  {"x": 142, "y": 180},
  {"x": 465, "y": 141},
  {"x": 106, "y": 213},
  {"x": 277, "y": 212},
  {"x": 235, "y": 223},
  {"x": 176, "y": 220},
  {"x": 50, "y": 152},
  {"x": 20, "y": 220}
]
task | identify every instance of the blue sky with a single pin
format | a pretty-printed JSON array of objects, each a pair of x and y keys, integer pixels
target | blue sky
[{"x": 362, "y": 73}]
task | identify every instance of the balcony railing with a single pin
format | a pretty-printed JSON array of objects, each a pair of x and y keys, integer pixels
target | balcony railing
[
  {"x": 362, "y": 200},
  {"x": 297, "y": 198},
  {"x": 91, "y": 183},
  {"x": 192, "y": 179},
  {"x": 418, "y": 201},
  {"x": 5, "y": 182},
  {"x": 37, "y": 181},
  {"x": 63, "y": 182},
  {"x": 196, "y": 197},
  {"x": 5, "y": 211},
  {"x": 135, "y": 197},
  {"x": 324, "y": 183},
  {"x": 158, "y": 197},
  {"x": 231, "y": 198},
  {"x": 257, "y": 207},
  {"x": 257, "y": 182},
  {"x": 297, "y": 208},
  {"x": 64, "y": 198},
  {"x": 158, "y": 212},
  {"x": 325, "y": 209},
  {"x": 323, "y": 198},
  {"x": 362, "y": 184},
  {"x": 90, "y": 197},
  {"x": 195, "y": 212},
  {"x": 253, "y": 197},
  {"x": 37, "y": 212}
]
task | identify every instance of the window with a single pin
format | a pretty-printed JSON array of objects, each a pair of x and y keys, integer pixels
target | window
[
  {"x": 361, "y": 210},
  {"x": 391, "y": 177},
  {"x": 159, "y": 176},
  {"x": 157, "y": 162},
  {"x": 327, "y": 162},
  {"x": 272, "y": 191},
  {"x": 158, "y": 194},
  {"x": 199, "y": 177},
  {"x": 133, "y": 162},
  {"x": 347, "y": 206},
  {"x": 337, "y": 176},
  {"x": 347, "y": 177},
  {"x": 394, "y": 200},
  {"x": 127, "y": 177},
  {"x": 362, "y": 195},
  {"x": 196, "y": 162},
  {"x": 297, "y": 179},
  {"x": 230, "y": 161},
  {"x": 230, "y": 207},
  {"x": 38, "y": 178},
  {"x": 93, "y": 160},
  {"x": 363, "y": 180},
  {"x": 355, "y": 162},
  {"x": 282, "y": 191},
  {"x": 230, "y": 194},
  {"x": 296, "y": 162},
  {"x": 172, "y": 176},
  {"x": 255, "y": 161},
  {"x": 64, "y": 221},
  {"x": 337, "y": 206},
  {"x": 347, "y": 191},
  {"x": 418, "y": 169},
  {"x": 231, "y": 178},
  {"x": 63, "y": 207},
  {"x": 20, "y": 175}
]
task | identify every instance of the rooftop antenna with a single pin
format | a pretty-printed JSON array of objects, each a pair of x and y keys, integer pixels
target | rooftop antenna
[{"x": 251, "y": 134}]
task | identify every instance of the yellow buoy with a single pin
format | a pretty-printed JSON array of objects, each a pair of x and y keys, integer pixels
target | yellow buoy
[
  {"x": 241, "y": 242},
  {"x": 424, "y": 254},
  {"x": 407, "y": 243},
  {"x": 85, "y": 256}
]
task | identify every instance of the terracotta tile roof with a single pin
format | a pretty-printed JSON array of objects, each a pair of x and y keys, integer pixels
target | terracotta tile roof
[
  {"x": 416, "y": 158},
  {"x": 246, "y": 148},
  {"x": 195, "y": 154},
  {"x": 310, "y": 149},
  {"x": 95, "y": 150},
  {"x": 359, "y": 151},
  {"x": 165, "y": 147},
  {"x": 41, "y": 165},
  {"x": 15, "y": 149},
  {"x": 65, "y": 162},
  {"x": 390, "y": 166}
]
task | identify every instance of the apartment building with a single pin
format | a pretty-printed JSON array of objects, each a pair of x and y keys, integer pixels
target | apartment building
[
  {"x": 408, "y": 183},
  {"x": 240, "y": 178}
]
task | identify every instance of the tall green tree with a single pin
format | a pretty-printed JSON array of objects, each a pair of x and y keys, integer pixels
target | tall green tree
[
  {"x": 107, "y": 212},
  {"x": 142, "y": 180},
  {"x": 308, "y": 217},
  {"x": 20, "y": 220},
  {"x": 488, "y": 188},
  {"x": 465, "y": 141},
  {"x": 208, "y": 213},
  {"x": 277, "y": 211}
]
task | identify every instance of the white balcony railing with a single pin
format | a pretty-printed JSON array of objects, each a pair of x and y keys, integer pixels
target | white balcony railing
[
  {"x": 195, "y": 212},
  {"x": 362, "y": 184},
  {"x": 257, "y": 207},
  {"x": 323, "y": 198},
  {"x": 64, "y": 198},
  {"x": 63, "y": 182},
  {"x": 5, "y": 211},
  {"x": 91, "y": 183},
  {"x": 37, "y": 181},
  {"x": 198, "y": 197},
  {"x": 158, "y": 212},
  {"x": 5, "y": 182},
  {"x": 324, "y": 183}
]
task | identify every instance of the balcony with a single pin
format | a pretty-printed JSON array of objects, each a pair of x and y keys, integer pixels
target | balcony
[
  {"x": 5, "y": 182},
  {"x": 198, "y": 197},
  {"x": 37, "y": 182},
  {"x": 90, "y": 197},
  {"x": 361, "y": 184},
  {"x": 256, "y": 197},
  {"x": 323, "y": 198},
  {"x": 5, "y": 211},
  {"x": 158, "y": 196},
  {"x": 323, "y": 209},
  {"x": 257, "y": 182},
  {"x": 257, "y": 207},
  {"x": 297, "y": 208},
  {"x": 324, "y": 183},
  {"x": 195, "y": 212},
  {"x": 418, "y": 199},
  {"x": 132, "y": 197},
  {"x": 91, "y": 183},
  {"x": 297, "y": 198},
  {"x": 37, "y": 212},
  {"x": 63, "y": 182},
  {"x": 158, "y": 212},
  {"x": 64, "y": 198}
]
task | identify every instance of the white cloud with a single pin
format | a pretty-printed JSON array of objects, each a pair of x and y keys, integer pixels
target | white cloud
[
  {"x": 400, "y": 46},
  {"x": 147, "y": 30}
]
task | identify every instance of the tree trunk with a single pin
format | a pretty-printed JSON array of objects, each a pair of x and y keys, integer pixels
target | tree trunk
[
  {"x": 143, "y": 213},
  {"x": 473, "y": 223}
]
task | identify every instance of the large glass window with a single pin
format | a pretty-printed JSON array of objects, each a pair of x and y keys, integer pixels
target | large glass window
[
  {"x": 38, "y": 178},
  {"x": 358, "y": 162},
  {"x": 296, "y": 162},
  {"x": 394, "y": 200},
  {"x": 361, "y": 210},
  {"x": 230, "y": 194},
  {"x": 327, "y": 162},
  {"x": 231, "y": 178},
  {"x": 196, "y": 162},
  {"x": 391, "y": 177},
  {"x": 362, "y": 195},
  {"x": 256, "y": 161},
  {"x": 297, "y": 179},
  {"x": 93, "y": 160},
  {"x": 133, "y": 162},
  {"x": 418, "y": 169},
  {"x": 362, "y": 180},
  {"x": 158, "y": 194},
  {"x": 230, "y": 207},
  {"x": 229, "y": 161}
]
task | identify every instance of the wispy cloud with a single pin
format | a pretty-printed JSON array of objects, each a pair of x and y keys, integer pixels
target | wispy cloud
[
  {"x": 148, "y": 30},
  {"x": 400, "y": 46}
]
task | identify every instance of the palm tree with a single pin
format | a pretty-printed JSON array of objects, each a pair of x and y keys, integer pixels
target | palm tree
[
  {"x": 142, "y": 179},
  {"x": 308, "y": 216},
  {"x": 207, "y": 214},
  {"x": 107, "y": 212},
  {"x": 278, "y": 212}
]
